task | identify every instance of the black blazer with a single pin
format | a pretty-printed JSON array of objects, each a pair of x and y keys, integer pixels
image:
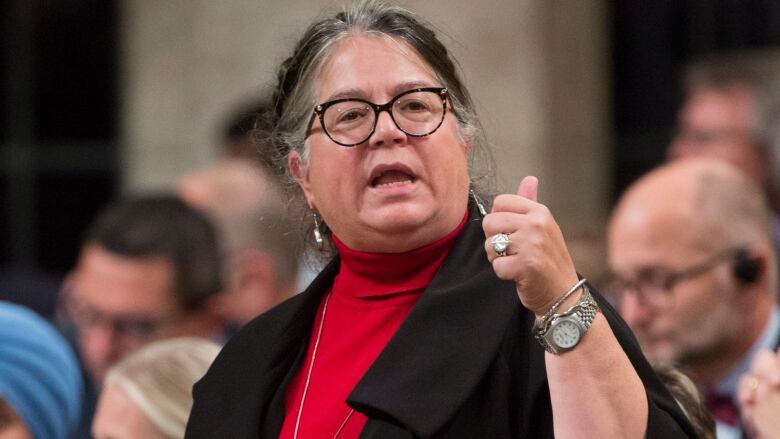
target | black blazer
[{"x": 463, "y": 364}]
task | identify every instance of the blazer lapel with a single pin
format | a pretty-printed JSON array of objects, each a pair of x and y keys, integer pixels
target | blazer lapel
[
  {"x": 273, "y": 343},
  {"x": 446, "y": 344},
  {"x": 292, "y": 340}
]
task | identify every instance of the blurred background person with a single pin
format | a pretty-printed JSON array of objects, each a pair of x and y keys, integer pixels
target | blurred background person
[
  {"x": 725, "y": 112},
  {"x": 246, "y": 132},
  {"x": 149, "y": 393},
  {"x": 695, "y": 275},
  {"x": 729, "y": 114},
  {"x": 40, "y": 382},
  {"x": 149, "y": 269},
  {"x": 259, "y": 244}
]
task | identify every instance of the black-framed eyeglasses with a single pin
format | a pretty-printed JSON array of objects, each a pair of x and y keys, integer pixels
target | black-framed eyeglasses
[
  {"x": 653, "y": 286},
  {"x": 351, "y": 121}
]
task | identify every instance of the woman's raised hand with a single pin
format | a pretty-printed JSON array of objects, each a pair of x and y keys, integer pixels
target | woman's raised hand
[{"x": 536, "y": 258}]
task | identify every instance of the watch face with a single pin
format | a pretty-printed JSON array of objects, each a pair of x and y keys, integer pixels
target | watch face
[{"x": 566, "y": 334}]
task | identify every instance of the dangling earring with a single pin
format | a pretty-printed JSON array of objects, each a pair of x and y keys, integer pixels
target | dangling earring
[
  {"x": 317, "y": 234},
  {"x": 477, "y": 201}
]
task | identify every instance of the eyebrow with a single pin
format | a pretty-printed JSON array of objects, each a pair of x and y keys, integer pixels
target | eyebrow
[{"x": 360, "y": 94}]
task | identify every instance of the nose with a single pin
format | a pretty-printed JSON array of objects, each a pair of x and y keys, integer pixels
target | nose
[
  {"x": 633, "y": 311},
  {"x": 102, "y": 345},
  {"x": 386, "y": 131}
]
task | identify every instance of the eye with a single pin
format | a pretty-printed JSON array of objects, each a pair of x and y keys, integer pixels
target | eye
[
  {"x": 413, "y": 105},
  {"x": 656, "y": 278},
  {"x": 350, "y": 113},
  {"x": 138, "y": 328}
]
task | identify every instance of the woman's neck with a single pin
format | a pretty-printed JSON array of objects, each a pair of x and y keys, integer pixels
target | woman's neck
[{"x": 372, "y": 274}]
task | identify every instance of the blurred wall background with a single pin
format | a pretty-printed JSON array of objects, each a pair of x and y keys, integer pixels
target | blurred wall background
[{"x": 104, "y": 96}]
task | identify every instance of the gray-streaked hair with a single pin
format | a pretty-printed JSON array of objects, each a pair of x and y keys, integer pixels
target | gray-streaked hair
[
  {"x": 159, "y": 379},
  {"x": 294, "y": 96}
]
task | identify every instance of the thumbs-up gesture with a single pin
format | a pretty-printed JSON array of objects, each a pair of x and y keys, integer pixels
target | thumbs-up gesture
[{"x": 535, "y": 258}]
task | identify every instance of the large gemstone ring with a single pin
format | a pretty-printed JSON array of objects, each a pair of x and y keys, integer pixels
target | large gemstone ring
[{"x": 501, "y": 243}]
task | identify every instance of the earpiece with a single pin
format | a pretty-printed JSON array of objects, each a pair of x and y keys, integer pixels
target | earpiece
[{"x": 746, "y": 268}]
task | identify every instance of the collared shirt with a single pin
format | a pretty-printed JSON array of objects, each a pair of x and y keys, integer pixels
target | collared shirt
[{"x": 728, "y": 386}]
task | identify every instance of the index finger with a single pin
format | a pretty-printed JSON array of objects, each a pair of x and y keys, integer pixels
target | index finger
[{"x": 512, "y": 203}]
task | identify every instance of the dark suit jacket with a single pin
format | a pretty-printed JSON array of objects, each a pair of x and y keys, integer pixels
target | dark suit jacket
[{"x": 464, "y": 364}]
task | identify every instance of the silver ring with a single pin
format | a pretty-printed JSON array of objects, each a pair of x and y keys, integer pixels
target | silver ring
[{"x": 501, "y": 243}]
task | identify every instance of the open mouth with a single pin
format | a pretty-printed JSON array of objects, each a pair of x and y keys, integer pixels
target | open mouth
[
  {"x": 391, "y": 175},
  {"x": 392, "y": 178}
]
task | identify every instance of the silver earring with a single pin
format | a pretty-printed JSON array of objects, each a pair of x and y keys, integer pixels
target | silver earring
[
  {"x": 317, "y": 234},
  {"x": 477, "y": 201}
]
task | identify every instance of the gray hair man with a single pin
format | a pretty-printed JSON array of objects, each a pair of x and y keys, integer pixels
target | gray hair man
[{"x": 695, "y": 274}]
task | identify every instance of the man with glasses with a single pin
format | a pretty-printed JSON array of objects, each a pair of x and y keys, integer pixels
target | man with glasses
[
  {"x": 148, "y": 269},
  {"x": 694, "y": 274}
]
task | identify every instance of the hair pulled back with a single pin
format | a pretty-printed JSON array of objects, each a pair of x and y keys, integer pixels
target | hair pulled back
[{"x": 294, "y": 95}]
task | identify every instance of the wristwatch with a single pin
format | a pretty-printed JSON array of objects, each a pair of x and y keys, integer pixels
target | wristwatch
[{"x": 563, "y": 332}]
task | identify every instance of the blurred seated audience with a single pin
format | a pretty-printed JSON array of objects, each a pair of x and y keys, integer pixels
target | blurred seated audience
[
  {"x": 694, "y": 275},
  {"x": 148, "y": 270},
  {"x": 260, "y": 251},
  {"x": 149, "y": 393},
  {"x": 40, "y": 382}
]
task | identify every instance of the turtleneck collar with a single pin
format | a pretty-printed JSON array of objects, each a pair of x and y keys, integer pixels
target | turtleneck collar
[{"x": 365, "y": 275}]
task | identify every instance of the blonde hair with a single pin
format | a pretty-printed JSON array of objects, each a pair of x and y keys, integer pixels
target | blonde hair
[
  {"x": 159, "y": 379},
  {"x": 688, "y": 399}
]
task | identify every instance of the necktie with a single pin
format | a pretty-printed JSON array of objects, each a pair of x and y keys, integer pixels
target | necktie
[{"x": 723, "y": 408}]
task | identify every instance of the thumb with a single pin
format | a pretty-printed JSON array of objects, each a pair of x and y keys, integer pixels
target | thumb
[{"x": 528, "y": 187}]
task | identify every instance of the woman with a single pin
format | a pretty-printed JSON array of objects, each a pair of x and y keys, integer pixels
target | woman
[
  {"x": 412, "y": 330},
  {"x": 148, "y": 394}
]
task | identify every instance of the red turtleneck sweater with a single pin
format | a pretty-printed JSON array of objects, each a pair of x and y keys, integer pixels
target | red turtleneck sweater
[{"x": 372, "y": 295}]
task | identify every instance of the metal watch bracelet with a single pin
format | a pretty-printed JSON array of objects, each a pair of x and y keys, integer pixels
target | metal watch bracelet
[{"x": 584, "y": 311}]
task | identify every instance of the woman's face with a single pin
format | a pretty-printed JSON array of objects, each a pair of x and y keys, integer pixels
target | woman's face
[
  {"x": 393, "y": 192},
  {"x": 117, "y": 417}
]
